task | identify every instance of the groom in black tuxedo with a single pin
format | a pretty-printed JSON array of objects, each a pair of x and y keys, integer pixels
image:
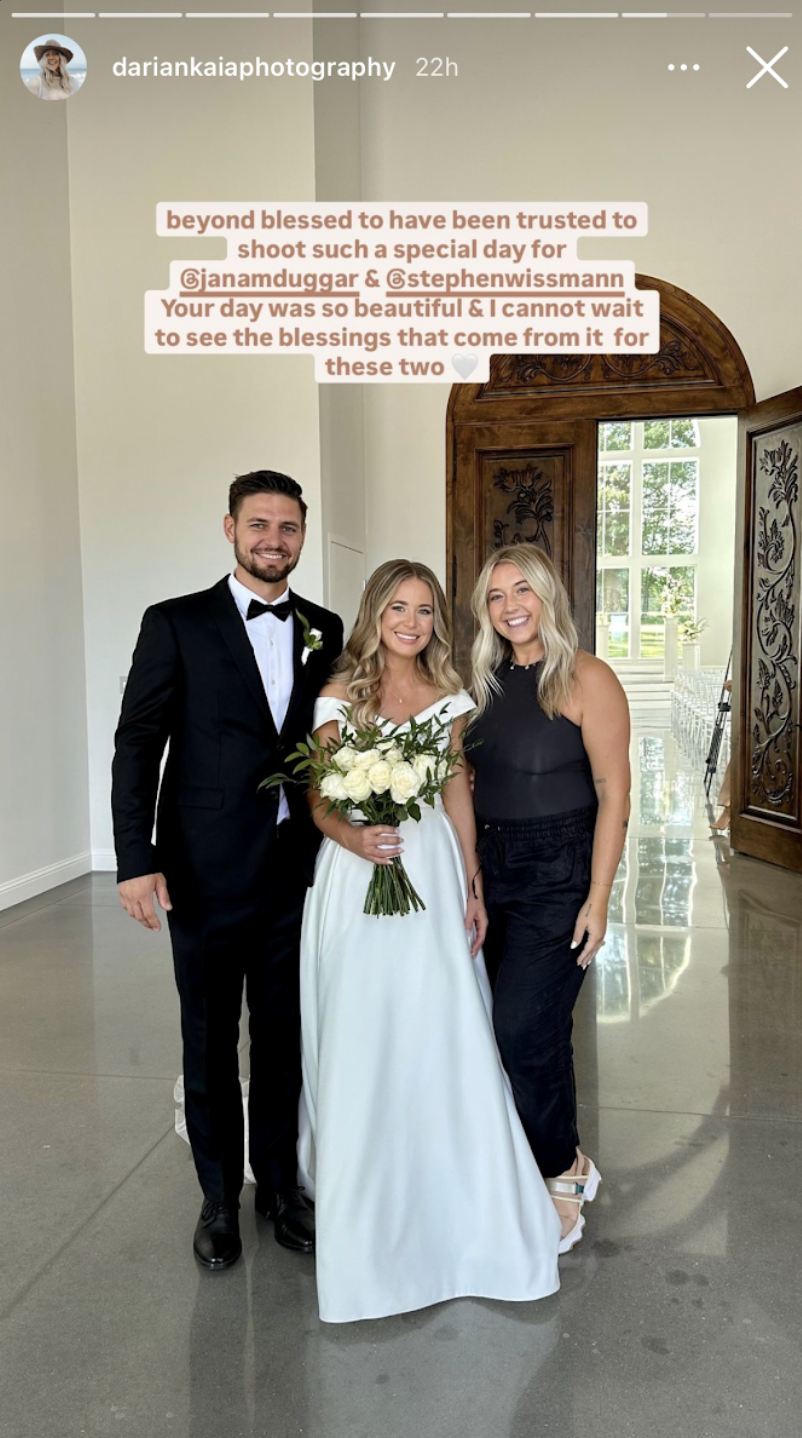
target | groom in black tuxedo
[{"x": 228, "y": 678}]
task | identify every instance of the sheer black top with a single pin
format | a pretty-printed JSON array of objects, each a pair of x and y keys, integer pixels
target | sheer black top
[{"x": 527, "y": 765}]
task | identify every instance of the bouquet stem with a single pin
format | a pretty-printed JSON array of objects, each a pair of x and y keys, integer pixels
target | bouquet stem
[{"x": 390, "y": 891}]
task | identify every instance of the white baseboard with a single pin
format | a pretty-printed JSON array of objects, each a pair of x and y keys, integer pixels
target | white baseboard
[
  {"x": 16, "y": 891},
  {"x": 104, "y": 861}
]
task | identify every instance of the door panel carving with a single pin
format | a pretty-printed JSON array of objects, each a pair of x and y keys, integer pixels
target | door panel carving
[
  {"x": 767, "y": 817},
  {"x": 530, "y": 512},
  {"x": 524, "y": 483}
]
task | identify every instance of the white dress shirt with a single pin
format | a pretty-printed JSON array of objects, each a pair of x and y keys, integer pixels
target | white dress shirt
[{"x": 272, "y": 643}]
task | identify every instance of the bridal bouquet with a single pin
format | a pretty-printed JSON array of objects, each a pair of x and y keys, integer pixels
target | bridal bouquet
[{"x": 381, "y": 778}]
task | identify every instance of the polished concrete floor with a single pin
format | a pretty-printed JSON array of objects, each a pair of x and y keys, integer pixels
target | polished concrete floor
[{"x": 679, "y": 1314}]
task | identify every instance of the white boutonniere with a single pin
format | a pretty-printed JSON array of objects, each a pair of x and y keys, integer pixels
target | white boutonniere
[{"x": 313, "y": 638}]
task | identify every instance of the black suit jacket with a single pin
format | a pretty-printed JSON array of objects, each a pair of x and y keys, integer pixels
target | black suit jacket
[{"x": 195, "y": 686}]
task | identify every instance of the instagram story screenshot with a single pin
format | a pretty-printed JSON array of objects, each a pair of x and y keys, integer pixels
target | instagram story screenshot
[{"x": 400, "y": 733}]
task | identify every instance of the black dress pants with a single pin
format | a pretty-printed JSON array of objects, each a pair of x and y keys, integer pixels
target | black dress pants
[
  {"x": 536, "y": 878},
  {"x": 250, "y": 947}
]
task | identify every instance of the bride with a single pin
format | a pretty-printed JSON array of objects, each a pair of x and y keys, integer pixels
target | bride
[{"x": 423, "y": 1179}]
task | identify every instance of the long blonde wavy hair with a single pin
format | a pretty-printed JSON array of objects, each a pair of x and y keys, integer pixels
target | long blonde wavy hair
[
  {"x": 361, "y": 665},
  {"x": 62, "y": 80},
  {"x": 557, "y": 630}
]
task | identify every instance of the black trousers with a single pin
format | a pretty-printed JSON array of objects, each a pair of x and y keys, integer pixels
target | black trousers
[
  {"x": 536, "y": 878},
  {"x": 252, "y": 948}
]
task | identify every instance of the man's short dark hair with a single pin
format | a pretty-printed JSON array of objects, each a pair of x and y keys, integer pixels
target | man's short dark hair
[{"x": 264, "y": 481}]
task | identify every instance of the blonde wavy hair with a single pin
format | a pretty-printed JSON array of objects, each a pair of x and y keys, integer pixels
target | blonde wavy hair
[
  {"x": 557, "y": 630},
  {"x": 361, "y": 665},
  {"x": 62, "y": 80}
]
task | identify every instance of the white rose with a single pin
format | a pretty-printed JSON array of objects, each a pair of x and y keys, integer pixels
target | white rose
[
  {"x": 390, "y": 751},
  {"x": 333, "y": 787},
  {"x": 357, "y": 785},
  {"x": 424, "y": 765},
  {"x": 367, "y": 757},
  {"x": 404, "y": 783},
  {"x": 380, "y": 776},
  {"x": 346, "y": 757}
]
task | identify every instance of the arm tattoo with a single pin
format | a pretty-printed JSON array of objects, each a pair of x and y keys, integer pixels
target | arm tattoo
[{"x": 625, "y": 825}]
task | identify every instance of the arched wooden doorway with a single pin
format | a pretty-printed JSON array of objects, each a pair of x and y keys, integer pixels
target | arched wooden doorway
[
  {"x": 521, "y": 465},
  {"x": 529, "y": 435}
]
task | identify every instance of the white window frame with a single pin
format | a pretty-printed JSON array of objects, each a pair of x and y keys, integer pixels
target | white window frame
[{"x": 635, "y": 563}]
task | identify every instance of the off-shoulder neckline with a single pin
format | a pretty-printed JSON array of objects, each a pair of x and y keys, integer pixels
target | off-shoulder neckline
[{"x": 388, "y": 719}]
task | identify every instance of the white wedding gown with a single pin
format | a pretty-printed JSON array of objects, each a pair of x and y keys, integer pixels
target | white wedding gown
[{"x": 424, "y": 1183}]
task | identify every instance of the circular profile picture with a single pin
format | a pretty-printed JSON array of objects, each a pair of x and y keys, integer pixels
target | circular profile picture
[{"x": 53, "y": 67}]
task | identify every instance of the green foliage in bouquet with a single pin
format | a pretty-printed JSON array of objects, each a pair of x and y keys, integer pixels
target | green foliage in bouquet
[{"x": 374, "y": 776}]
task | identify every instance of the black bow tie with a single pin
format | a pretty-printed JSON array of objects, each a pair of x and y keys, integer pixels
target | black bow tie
[{"x": 281, "y": 611}]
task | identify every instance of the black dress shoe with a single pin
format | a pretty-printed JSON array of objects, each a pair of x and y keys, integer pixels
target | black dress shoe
[
  {"x": 292, "y": 1215},
  {"x": 217, "y": 1242}
]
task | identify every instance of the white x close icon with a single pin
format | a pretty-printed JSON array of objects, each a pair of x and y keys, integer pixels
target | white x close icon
[{"x": 767, "y": 64}]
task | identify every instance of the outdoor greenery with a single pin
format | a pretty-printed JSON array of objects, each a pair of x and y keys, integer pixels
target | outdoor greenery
[
  {"x": 615, "y": 436},
  {"x": 669, "y": 507},
  {"x": 670, "y": 434}
]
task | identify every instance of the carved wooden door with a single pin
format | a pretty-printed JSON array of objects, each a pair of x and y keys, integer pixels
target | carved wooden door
[
  {"x": 767, "y": 747},
  {"x": 525, "y": 482}
]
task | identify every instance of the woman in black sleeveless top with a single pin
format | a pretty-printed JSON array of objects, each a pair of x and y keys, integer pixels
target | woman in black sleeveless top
[{"x": 551, "y": 793}]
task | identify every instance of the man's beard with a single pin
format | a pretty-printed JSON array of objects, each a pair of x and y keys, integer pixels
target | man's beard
[{"x": 262, "y": 569}]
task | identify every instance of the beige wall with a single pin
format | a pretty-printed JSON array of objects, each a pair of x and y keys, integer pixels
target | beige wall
[
  {"x": 159, "y": 439},
  {"x": 719, "y": 442},
  {"x": 338, "y": 176},
  {"x": 44, "y": 817}
]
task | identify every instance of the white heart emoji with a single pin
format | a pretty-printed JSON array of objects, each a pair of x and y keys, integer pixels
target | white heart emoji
[{"x": 464, "y": 364}]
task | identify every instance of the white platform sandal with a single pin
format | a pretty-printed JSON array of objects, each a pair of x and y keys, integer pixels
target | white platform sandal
[{"x": 578, "y": 1188}]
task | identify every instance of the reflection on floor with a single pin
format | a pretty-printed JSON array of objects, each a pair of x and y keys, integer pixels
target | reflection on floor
[{"x": 679, "y": 1313}]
